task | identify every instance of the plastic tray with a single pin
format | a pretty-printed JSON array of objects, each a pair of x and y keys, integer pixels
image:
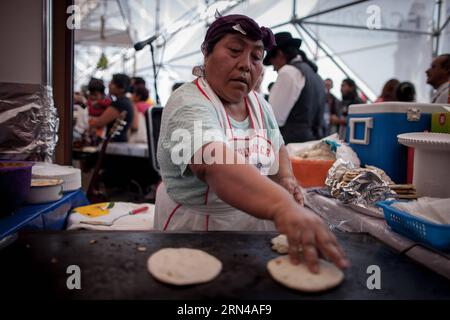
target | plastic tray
[{"x": 415, "y": 228}]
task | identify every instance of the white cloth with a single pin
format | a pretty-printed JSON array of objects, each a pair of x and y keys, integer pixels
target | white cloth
[
  {"x": 441, "y": 94},
  {"x": 214, "y": 214},
  {"x": 434, "y": 209},
  {"x": 140, "y": 136},
  {"x": 81, "y": 117},
  {"x": 286, "y": 91},
  {"x": 139, "y": 221}
]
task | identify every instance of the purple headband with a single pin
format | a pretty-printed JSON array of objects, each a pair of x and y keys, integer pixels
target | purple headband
[{"x": 237, "y": 23}]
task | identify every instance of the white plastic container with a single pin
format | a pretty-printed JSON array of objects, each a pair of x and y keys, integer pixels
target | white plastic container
[
  {"x": 71, "y": 176},
  {"x": 431, "y": 162},
  {"x": 45, "y": 190}
]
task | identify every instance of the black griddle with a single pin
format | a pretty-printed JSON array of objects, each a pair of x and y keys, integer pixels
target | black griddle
[{"x": 113, "y": 268}]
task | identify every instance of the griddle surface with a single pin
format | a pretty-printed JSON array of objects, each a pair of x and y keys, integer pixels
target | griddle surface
[{"x": 112, "y": 268}]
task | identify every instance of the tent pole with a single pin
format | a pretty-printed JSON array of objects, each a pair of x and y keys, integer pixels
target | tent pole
[
  {"x": 328, "y": 54},
  {"x": 186, "y": 55},
  {"x": 327, "y": 24},
  {"x": 436, "y": 33},
  {"x": 294, "y": 9},
  {"x": 333, "y": 9},
  {"x": 198, "y": 19},
  {"x": 303, "y": 20},
  {"x": 282, "y": 24},
  {"x": 324, "y": 50},
  {"x": 306, "y": 43},
  {"x": 134, "y": 55},
  {"x": 444, "y": 25},
  {"x": 125, "y": 19},
  {"x": 157, "y": 16},
  {"x": 155, "y": 75}
]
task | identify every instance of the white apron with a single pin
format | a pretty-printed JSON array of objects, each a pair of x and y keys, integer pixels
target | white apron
[{"x": 215, "y": 214}]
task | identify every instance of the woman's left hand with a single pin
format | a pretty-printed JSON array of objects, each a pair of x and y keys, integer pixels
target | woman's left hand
[{"x": 291, "y": 185}]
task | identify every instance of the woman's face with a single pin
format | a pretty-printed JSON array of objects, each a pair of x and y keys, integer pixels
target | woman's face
[
  {"x": 95, "y": 96},
  {"x": 345, "y": 88},
  {"x": 234, "y": 66},
  {"x": 134, "y": 98},
  {"x": 113, "y": 90}
]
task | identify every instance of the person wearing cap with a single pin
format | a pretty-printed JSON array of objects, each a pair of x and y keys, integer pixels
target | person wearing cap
[
  {"x": 298, "y": 96},
  {"x": 223, "y": 162}
]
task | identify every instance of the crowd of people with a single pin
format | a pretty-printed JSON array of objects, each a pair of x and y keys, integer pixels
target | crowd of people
[
  {"x": 304, "y": 107},
  {"x": 95, "y": 111}
]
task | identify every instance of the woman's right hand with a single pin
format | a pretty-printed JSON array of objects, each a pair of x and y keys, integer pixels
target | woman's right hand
[{"x": 307, "y": 230}]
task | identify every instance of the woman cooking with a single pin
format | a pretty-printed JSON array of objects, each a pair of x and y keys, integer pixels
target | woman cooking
[{"x": 223, "y": 162}]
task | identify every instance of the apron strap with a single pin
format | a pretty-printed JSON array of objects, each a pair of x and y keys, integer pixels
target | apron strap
[
  {"x": 254, "y": 107},
  {"x": 170, "y": 217}
]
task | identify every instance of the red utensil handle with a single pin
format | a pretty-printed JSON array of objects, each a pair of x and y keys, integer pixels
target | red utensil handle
[{"x": 139, "y": 210}]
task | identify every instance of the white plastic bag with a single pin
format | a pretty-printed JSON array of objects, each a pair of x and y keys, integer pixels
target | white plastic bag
[{"x": 343, "y": 150}]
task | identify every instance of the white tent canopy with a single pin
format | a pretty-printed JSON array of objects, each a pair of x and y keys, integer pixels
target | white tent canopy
[{"x": 335, "y": 34}]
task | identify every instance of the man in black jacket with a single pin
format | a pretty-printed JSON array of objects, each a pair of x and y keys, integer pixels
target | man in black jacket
[{"x": 298, "y": 95}]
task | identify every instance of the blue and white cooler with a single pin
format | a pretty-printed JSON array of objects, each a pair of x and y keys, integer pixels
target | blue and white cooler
[{"x": 372, "y": 131}]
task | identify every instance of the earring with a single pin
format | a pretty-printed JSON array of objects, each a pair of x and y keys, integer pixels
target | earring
[{"x": 199, "y": 71}]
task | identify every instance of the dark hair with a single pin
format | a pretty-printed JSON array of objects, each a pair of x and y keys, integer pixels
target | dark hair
[
  {"x": 309, "y": 62},
  {"x": 209, "y": 47},
  {"x": 446, "y": 63},
  {"x": 405, "y": 91},
  {"x": 176, "y": 85},
  {"x": 121, "y": 81},
  {"x": 350, "y": 82},
  {"x": 291, "y": 52},
  {"x": 227, "y": 24},
  {"x": 388, "y": 91},
  {"x": 96, "y": 85},
  {"x": 138, "y": 81},
  {"x": 142, "y": 93}
]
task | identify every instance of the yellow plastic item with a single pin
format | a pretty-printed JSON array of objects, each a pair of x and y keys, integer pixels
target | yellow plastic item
[{"x": 95, "y": 210}]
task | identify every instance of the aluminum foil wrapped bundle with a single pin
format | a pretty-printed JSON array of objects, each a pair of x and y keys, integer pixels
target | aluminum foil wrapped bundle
[
  {"x": 28, "y": 122},
  {"x": 358, "y": 186}
]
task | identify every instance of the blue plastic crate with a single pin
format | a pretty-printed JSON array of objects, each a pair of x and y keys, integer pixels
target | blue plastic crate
[{"x": 415, "y": 228}]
